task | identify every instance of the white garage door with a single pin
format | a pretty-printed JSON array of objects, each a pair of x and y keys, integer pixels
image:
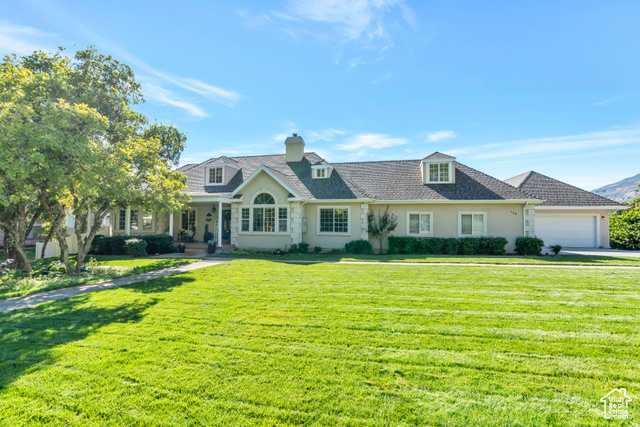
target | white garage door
[{"x": 570, "y": 231}]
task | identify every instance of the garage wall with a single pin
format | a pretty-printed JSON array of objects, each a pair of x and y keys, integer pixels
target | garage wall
[{"x": 597, "y": 213}]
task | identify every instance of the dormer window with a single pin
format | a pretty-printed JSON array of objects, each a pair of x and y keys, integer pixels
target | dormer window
[
  {"x": 321, "y": 171},
  {"x": 438, "y": 168},
  {"x": 439, "y": 172},
  {"x": 216, "y": 175}
]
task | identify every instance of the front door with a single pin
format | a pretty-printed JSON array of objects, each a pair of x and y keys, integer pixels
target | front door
[{"x": 226, "y": 225}]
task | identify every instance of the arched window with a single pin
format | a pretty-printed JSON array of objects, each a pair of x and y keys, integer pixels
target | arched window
[
  {"x": 264, "y": 199},
  {"x": 264, "y": 216}
]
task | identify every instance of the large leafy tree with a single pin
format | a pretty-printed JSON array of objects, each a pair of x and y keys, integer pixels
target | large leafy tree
[{"x": 85, "y": 150}]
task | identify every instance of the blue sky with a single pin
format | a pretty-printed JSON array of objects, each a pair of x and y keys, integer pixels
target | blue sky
[{"x": 507, "y": 87}]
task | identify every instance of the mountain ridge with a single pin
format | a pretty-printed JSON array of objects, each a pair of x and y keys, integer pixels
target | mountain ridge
[{"x": 620, "y": 191}]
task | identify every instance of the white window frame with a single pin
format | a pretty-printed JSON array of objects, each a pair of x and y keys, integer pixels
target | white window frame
[
  {"x": 430, "y": 233},
  {"x": 426, "y": 171},
  {"x": 333, "y": 233},
  {"x": 484, "y": 223},
  {"x": 276, "y": 227},
  {"x": 208, "y": 172},
  {"x": 324, "y": 169}
]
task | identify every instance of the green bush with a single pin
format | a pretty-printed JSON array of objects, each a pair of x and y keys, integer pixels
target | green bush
[
  {"x": 299, "y": 248},
  {"x": 450, "y": 246},
  {"x": 317, "y": 250},
  {"x": 115, "y": 245},
  {"x": 624, "y": 229},
  {"x": 555, "y": 249},
  {"x": 492, "y": 245},
  {"x": 447, "y": 246},
  {"x": 469, "y": 246},
  {"x": 136, "y": 247},
  {"x": 529, "y": 245},
  {"x": 358, "y": 247}
]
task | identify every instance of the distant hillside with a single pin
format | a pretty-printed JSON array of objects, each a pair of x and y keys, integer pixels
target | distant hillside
[{"x": 622, "y": 190}]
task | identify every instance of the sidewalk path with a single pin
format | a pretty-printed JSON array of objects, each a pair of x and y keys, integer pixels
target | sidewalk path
[{"x": 47, "y": 296}]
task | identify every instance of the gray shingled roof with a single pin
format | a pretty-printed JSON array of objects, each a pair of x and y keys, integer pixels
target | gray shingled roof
[
  {"x": 381, "y": 180},
  {"x": 402, "y": 180},
  {"x": 296, "y": 175},
  {"x": 557, "y": 193},
  {"x": 438, "y": 155}
]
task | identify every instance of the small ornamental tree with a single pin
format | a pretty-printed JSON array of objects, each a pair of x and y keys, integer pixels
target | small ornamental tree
[{"x": 380, "y": 226}]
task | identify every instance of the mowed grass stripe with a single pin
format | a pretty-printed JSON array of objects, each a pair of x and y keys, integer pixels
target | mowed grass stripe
[{"x": 256, "y": 343}]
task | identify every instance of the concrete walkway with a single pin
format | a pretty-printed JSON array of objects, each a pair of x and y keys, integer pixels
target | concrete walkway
[
  {"x": 600, "y": 252},
  {"x": 47, "y": 296}
]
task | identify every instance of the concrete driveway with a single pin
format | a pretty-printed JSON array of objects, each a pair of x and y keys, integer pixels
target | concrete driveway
[{"x": 599, "y": 252}]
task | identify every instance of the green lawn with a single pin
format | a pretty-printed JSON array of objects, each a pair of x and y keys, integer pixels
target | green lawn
[
  {"x": 458, "y": 259},
  {"x": 261, "y": 343},
  {"x": 123, "y": 266}
]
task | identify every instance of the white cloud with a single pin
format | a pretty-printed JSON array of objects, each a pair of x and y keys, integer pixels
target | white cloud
[
  {"x": 561, "y": 144},
  {"x": 353, "y": 19},
  {"x": 66, "y": 21},
  {"x": 371, "y": 140},
  {"x": 365, "y": 24},
  {"x": 607, "y": 101},
  {"x": 23, "y": 40},
  {"x": 443, "y": 134},
  {"x": 168, "y": 97},
  {"x": 328, "y": 134}
]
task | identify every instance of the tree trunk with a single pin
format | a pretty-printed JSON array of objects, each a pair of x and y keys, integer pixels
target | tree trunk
[
  {"x": 5, "y": 244},
  {"x": 84, "y": 243},
  {"x": 46, "y": 242},
  {"x": 56, "y": 215},
  {"x": 20, "y": 221}
]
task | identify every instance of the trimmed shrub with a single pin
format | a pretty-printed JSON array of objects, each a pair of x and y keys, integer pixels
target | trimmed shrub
[
  {"x": 447, "y": 246},
  {"x": 299, "y": 248},
  {"x": 158, "y": 243},
  {"x": 624, "y": 229},
  {"x": 358, "y": 247},
  {"x": 317, "y": 250},
  {"x": 115, "y": 245},
  {"x": 450, "y": 246},
  {"x": 136, "y": 247},
  {"x": 529, "y": 245},
  {"x": 492, "y": 245},
  {"x": 469, "y": 246},
  {"x": 555, "y": 249}
]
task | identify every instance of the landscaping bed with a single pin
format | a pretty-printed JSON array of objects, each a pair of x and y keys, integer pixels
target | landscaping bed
[{"x": 105, "y": 268}]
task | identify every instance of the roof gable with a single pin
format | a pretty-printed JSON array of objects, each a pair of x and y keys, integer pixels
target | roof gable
[{"x": 557, "y": 193}]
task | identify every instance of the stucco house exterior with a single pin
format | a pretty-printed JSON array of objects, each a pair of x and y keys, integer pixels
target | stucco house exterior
[{"x": 273, "y": 201}]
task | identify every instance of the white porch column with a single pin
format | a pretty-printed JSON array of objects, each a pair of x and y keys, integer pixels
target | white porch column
[
  {"x": 127, "y": 222},
  {"x": 112, "y": 218},
  {"x": 171, "y": 224},
  {"x": 219, "y": 224}
]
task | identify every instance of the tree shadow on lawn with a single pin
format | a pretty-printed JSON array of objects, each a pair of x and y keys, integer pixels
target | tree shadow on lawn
[{"x": 28, "y": 336}]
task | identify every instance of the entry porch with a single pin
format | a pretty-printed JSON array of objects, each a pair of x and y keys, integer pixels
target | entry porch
[{"x": 188, "y": 225}]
